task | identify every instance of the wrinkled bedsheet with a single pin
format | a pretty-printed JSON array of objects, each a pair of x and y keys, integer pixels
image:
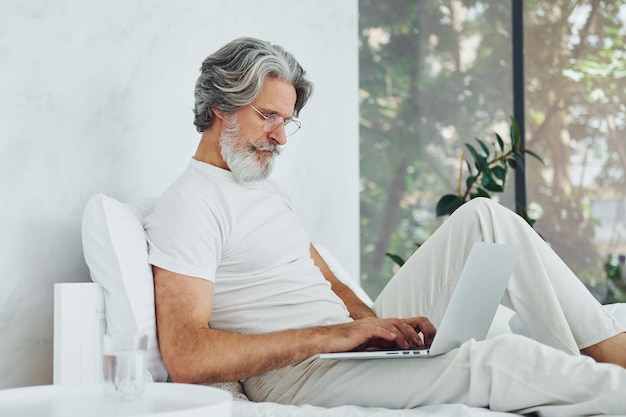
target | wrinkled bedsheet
[{"x": 251, "y": 409}]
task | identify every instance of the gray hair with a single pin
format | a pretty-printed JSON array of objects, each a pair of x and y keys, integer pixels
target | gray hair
[{"x": 233, "y": 77}]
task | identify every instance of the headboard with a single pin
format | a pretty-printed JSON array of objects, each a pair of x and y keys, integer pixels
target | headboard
[{"x": 79, "y": 323}]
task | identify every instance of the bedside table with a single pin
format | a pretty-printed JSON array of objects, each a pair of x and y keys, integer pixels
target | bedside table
[{"x": 159, "y": 400}]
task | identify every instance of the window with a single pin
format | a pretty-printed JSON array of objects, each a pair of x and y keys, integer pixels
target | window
[{"x": 436, "y": 74}]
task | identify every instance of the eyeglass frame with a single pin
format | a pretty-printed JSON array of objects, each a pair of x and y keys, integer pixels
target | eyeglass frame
[{"x": 279, "y": 120}]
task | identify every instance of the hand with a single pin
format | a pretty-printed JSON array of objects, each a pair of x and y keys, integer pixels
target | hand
[
  {"x": 383, "y": 333},
  {"x": 425, "y": 327}
]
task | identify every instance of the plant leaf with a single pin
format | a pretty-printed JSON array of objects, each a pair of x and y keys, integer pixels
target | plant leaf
[
  {"x": 489, "y": 183},
  {"x": 493, "y": 186},
  {"x": 479, "y": 160},
  {"x": 481, "y": 193},
  {"x": 395, "y": 258},
  {"x": 533, "y": 154},
  {"x": 499, "y": 172},
  {"x": 512, "y": 163},
  {"x": 484, "y": 146},
  {"x": 515, "y": 135},
  {"x": 447, "y": 204},
  {"x": 500, "y": 142}
]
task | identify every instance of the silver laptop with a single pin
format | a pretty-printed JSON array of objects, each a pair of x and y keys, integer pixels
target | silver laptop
[{"x": 472, "y": 306}]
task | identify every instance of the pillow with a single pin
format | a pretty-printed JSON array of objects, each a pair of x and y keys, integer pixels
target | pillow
[{"x": 115, "y": 249}]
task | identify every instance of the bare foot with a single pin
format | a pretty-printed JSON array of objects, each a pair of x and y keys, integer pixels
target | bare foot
[{"x": 611, "y": 350}]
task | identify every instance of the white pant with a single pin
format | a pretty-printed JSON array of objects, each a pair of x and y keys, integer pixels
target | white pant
[{"x": 506, "y": 373}]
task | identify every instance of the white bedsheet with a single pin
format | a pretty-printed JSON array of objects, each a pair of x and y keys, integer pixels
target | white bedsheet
[{"x": 243, "y": 408}]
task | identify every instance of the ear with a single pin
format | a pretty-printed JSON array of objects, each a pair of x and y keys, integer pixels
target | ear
[{"x": 218, "y": 114}]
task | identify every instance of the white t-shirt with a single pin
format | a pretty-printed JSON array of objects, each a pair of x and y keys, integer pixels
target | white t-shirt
[{"x": 247, "y": 239}]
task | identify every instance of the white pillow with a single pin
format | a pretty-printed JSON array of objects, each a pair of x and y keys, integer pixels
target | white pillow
[{"x": 116, "y": 252}]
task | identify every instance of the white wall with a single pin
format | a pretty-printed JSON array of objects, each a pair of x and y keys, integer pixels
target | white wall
[{"x": 96, "y": 97}]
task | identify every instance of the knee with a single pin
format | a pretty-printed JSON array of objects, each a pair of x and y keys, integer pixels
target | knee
[
  {"x": 476, "y": 208},
  {"x": 483, "y": 207},
  {"x": 480, "y": 204}
]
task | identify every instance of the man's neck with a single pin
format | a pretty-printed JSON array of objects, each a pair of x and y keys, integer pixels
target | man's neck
[{"x": 208, "y": 150}]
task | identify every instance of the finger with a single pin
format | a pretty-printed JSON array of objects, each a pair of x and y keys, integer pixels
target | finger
[
  {"x": 424, "y": 326},
  {"x": 382, "y": 332},
  {"x": 412, "y": 336},
  {"x": 395, "y": 331},
  {"x": 428, "y": 330},
  {"x": 407, "y": 335}
]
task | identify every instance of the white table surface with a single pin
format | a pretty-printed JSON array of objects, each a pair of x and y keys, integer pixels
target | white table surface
[{"x": 159, "y": 399}]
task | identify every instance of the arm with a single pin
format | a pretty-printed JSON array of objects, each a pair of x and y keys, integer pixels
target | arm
[
  {"x": 194, "y": 353},
  {"x": 355, "y": 306},
  {"x": 408, "y": 327}
]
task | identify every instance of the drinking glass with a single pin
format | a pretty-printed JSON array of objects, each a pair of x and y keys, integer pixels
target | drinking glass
[{"x": 124, "y": 366}]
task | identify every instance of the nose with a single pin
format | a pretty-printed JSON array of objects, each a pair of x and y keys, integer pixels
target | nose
[{"x": 278, "y": 135}]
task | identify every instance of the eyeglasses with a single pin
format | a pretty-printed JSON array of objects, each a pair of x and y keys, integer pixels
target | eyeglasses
[{"x": 274, "y": 121}]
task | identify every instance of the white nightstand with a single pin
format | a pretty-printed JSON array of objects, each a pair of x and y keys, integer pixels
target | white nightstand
[{"x": 159, "y": 399}]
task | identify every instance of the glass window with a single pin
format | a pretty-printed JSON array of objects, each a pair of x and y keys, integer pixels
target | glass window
[
  {"x": 436, "y": 74},
  {"x": 575, "y": 71},
  {"x": 433, "y": 76}
]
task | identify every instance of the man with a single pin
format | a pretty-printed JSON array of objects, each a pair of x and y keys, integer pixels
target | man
[{"x": 241, "y": 294}]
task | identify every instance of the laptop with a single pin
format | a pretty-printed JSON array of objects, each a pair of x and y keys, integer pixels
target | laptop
[{"x": 471, "y": 309}]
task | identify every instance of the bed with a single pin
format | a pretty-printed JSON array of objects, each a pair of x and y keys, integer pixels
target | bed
[{"x": 121, "y": 301}]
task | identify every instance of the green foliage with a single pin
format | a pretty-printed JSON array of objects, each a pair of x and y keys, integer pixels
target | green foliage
[
  {"x": 397, "y": 259},
  {"x": 489, "y": 170},
  {"x": 487, "y": 174},
  {"x": 616, "y": 288}
]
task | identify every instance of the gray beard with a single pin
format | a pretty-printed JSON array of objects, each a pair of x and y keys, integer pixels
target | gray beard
[{"x": 242, "y": 158}]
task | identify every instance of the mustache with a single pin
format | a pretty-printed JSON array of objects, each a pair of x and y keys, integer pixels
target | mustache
[{"x": 266, "y": 146}]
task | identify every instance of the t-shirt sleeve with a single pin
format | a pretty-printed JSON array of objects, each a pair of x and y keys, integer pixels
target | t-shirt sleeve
[{"x": 185, "y": 236}]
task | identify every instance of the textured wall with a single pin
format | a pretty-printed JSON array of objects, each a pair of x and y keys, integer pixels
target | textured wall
[{"x": 97, "y": 96}]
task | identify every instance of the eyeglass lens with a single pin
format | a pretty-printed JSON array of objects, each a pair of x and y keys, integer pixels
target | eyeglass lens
[{"x": 274, "y": 121}]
